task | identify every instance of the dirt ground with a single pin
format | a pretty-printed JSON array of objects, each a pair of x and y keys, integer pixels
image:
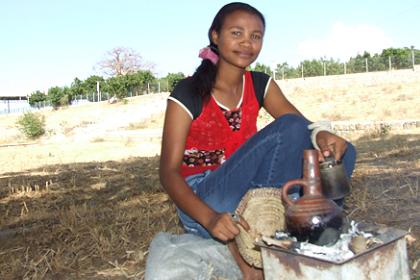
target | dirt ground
[{"x": 66, "y": 217}]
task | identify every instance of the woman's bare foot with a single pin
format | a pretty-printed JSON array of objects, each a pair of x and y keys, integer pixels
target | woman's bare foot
[{"x": 248, "y": 272}]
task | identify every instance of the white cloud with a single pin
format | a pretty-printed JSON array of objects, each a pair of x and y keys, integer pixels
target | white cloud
[{"x": 345, "y": 41}]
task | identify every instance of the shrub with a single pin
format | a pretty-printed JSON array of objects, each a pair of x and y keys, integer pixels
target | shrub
[
  {"x": 36, "y": 97},
  {"x": 32, "y": 125},
  {"x": 54, "y": 95}
]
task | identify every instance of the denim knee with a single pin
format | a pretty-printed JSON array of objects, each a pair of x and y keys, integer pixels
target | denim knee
[
  {"x": 293, "y": 120},
  {"x": 296, "y": 128},
  {"x": 349, "y": 159}
]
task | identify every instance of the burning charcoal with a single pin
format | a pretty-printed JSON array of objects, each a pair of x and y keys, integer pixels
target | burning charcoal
[{"x": 328, "y": 237}]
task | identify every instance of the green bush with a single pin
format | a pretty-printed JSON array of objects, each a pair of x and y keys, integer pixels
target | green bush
[{"x": 32, "y": 125}]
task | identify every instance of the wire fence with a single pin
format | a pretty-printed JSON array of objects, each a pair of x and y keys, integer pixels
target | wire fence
[
  {"x": 282, "y": 72},
  {"x": 324, "y": 67},
  {"x": 23, "y": 106}
]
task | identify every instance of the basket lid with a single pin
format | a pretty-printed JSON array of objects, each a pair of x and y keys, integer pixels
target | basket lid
[{"x": 263, "y": 210}]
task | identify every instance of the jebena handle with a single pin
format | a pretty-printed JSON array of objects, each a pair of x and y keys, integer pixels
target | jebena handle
[{"x": 285, "y": 196}]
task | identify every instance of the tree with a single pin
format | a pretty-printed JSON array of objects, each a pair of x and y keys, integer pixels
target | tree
[
  {"x": 67, "y": 96},
  {"x": 356, "y": 64},
  {"x": 287, "y": 71},
  {"x": 121, "y": 61},
  {"x": 37, "y": 97},
  {"x": 55, "y": 94},
  {"x": 173, "y": 79},
  {"x": 259, "y": 67},
  {"x": 116, "y": 86},
  {"x": 400, "y": 57},
  {"x": 313, "y": 68},
  {"x": 77, "y": 88},
  {"x": 137, "y": 82},
  {"x": 90, "y": 85}
]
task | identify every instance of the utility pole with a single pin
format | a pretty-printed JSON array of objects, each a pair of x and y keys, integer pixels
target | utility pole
[
  {"x": 367, "y": 66},
  {"x": 389, "y": 63}
]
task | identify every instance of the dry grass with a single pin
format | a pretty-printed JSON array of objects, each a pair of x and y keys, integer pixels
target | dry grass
[
  {"x": 375, "y": 96},
  {"x": 96, "y": 220},
  {"x": 68, "y": 212},
  {"x": 82, "y": 221},
  {"x": 386, "y": 186}
]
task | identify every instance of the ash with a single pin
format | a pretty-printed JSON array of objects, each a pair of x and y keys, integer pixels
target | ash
[{"x": 342, "y": 248}]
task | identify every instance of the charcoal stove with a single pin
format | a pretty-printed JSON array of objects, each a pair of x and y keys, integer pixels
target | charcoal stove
[{"x": 386, "y": 260}]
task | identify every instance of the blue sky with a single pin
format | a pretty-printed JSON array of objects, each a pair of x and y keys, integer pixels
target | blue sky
[{"x": 47, "y": 43}]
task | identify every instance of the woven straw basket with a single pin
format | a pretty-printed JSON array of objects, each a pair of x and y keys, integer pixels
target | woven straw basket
[{"x": 263, "y": 209}]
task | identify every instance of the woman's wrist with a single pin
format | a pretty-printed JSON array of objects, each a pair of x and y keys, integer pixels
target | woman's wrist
[{"x": 316, "y": 128}]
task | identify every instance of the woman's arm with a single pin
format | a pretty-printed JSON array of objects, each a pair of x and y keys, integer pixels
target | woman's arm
[{"x": 176, "y": 127}]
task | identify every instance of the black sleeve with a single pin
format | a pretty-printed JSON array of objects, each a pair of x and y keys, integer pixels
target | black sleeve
[
  {"x": 260, "y": 81},
  {"x": 184, "y": 93}
]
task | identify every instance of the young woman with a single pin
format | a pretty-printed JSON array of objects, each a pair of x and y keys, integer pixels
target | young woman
[{"x": 212, "y": 153}]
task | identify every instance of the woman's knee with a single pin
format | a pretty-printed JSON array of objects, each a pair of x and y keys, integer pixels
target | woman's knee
[
  {"x": 295, "y": 128},
  {"x": 349, "y": 158},
  {"x": 291, "y": 123}
]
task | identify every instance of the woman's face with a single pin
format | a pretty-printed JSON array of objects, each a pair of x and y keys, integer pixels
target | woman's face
[{"x": 240, "y": 38}]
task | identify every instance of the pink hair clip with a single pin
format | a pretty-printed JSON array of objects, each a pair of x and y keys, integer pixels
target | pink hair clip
[{"x": 207, "y": 53}]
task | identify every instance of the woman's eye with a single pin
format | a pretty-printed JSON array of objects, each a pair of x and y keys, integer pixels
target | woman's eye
[
  {"x": 236, "y": 33},
  {"x": 256, "y": 37}
]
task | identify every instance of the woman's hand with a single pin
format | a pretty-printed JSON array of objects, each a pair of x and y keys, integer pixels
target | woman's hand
[
  {"x": 223, "y": 227},
  {"x": 330, "y": 144}
]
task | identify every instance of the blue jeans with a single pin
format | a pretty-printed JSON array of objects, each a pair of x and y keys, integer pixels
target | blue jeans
[{"x": 270, "y": 158}]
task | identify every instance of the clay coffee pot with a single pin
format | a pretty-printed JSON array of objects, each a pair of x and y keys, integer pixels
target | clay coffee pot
[{"x": 311, "y": 214}]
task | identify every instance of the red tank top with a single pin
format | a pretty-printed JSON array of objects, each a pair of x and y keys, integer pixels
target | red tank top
[{"x": 211, "y": 131}]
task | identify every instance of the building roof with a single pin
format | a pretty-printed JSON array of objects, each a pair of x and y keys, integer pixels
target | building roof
[{"x": 13, "y": 97}]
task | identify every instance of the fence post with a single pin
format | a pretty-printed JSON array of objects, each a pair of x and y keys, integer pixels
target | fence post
[{"x": 412, "y": 56}]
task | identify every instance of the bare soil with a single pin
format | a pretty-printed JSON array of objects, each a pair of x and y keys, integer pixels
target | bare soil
[{"x": 84, "y": 201}]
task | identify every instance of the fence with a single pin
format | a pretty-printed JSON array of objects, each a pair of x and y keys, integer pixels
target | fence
[
  {"x": 318, "y": 68},
  {"x": 324, "y": 67},
  {"x": 22, "y": 106}
]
